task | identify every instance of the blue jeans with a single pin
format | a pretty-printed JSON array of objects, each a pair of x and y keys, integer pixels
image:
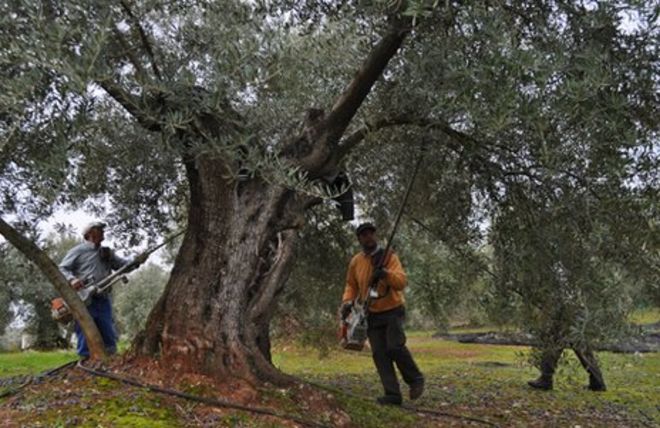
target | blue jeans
[{"x": 101, "y": 311}]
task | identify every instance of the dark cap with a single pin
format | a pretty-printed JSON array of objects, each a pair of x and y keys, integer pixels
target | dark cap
[{"x": 365, "y": 226}]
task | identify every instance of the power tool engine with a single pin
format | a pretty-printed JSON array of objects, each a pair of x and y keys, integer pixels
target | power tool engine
[
  {"x": 354, "y": 325},
  {"x": 60, "y": 311},
  {"x": 354, "y": 328}
]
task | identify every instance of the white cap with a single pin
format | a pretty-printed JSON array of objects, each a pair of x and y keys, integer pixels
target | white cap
[{"x": 91, "y": 226}]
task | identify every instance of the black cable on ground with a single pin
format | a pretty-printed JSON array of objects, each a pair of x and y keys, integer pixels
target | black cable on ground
[
  {"x": 12, "y": 391},
  {"x": 57, "y": 369},
  {"x": 409, "y": 408},
  {"x": 205, "y": 400},
  {"x": 227, "y": 404},
  {"x": 449, "y": 415},
  {"x": 49, "y": 372}
]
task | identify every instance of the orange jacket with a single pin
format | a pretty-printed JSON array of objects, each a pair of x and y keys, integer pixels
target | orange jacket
[{"x": 360, "y": 270}]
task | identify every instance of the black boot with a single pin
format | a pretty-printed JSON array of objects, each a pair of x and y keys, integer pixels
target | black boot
[
  {"x": 390, "y": 400},
  {"x": 417, "y": 389},
  {"x": 544, "y": 382},
  {"x": 590, "y": 364},
  {"x": 548, "y": 365}
]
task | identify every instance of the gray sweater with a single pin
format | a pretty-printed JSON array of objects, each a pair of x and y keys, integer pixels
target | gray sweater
[{"x": 84, "y": 261}]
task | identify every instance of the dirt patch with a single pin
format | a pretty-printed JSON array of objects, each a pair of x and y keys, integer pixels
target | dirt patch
[
  {"x": 151, "y": 371},
  {"x": 8, "y": 417},
  {"x": 300, "y": 398},
  {"x": 73, "y": 396}
]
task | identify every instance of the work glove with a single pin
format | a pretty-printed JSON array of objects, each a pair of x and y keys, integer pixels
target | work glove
[
  {"x": 379, "y": 273},
  {"x": 76, "y": 284},
  {"x": 141, "y": 258},
  {"x": 345, "y": 309}
]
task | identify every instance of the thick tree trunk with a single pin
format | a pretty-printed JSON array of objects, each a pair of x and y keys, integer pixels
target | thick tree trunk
[{"x": 214, "y": 315}]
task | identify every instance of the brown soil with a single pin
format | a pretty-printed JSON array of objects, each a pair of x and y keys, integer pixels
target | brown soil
[{"x": 73, "y": 392}]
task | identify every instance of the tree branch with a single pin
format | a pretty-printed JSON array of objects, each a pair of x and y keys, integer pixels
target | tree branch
[
  {"x": 353, "y": 96},
  {"x": 131, "y": 103},
  {"x": 80, "y": 313},
  {"x": 356, "y": 137},
  {"x": 129, "y": 54},
  {"x": 143, "y": 38},
  {"x": 276, "y": 276}
]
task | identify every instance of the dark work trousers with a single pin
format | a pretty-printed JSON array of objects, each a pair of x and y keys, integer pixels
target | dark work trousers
[
  {"x": 388, "y": 347},
  {"x": 588, "y": 360}
]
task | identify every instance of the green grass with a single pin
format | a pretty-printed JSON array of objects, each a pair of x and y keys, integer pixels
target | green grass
[
  {"x": 489, "y": 381},
  {"x": 484, "y": 381},
  {"x": 32, "y": 362},
  {"x": 646, "y": 316}
]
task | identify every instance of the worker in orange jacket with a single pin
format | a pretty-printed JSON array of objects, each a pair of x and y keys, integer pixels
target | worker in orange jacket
[{"x": 386, "y": 314}]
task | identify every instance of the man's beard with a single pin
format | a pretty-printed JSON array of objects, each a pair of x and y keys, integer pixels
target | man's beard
[{"x": 369, "y": 247}]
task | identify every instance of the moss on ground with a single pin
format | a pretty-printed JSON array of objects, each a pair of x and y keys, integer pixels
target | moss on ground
[
  {"x": 483, "y": 381},
  {"x": 97, "y": 402}
]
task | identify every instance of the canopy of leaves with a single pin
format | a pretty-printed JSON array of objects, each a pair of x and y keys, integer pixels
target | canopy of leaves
[{"x": 539, "y": 121}]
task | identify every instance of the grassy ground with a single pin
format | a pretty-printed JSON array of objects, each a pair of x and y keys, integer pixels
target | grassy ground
[
  {"x": 489, "y": 381},
  {"x": 31, "y": 362},
  {"x": 647, "y": 316},
  {"x": 482, "y": 381}
]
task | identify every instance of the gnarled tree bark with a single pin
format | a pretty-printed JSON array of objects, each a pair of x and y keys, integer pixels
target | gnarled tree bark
[
  {"x": 236, "y": 255},
  {"x": 238, "y": 251}
]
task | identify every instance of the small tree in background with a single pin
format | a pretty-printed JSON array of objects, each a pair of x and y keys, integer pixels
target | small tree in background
[
  {"x": 24, "y": 286},
  {"x": 574, "y": 272},
  {"x": 134, "y": 301}
]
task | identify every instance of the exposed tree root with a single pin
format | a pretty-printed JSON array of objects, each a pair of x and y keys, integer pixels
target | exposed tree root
[{"x": 205, "y": 400}]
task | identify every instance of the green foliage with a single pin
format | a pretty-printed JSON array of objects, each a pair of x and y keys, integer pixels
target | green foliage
[
  {"x": 557, "y": 257},
  {"x": 539, "y": 120},
  {"x": 443, "y": 285},
  {"x": 133, "y": 301},
  {"x": 23, "y": 285},
  {"x": 540, "y": 147},
  {"x": 66, "y": 141}
]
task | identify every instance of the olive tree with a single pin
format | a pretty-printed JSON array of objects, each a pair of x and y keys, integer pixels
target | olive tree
[{"x": 236, "y": 118}]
